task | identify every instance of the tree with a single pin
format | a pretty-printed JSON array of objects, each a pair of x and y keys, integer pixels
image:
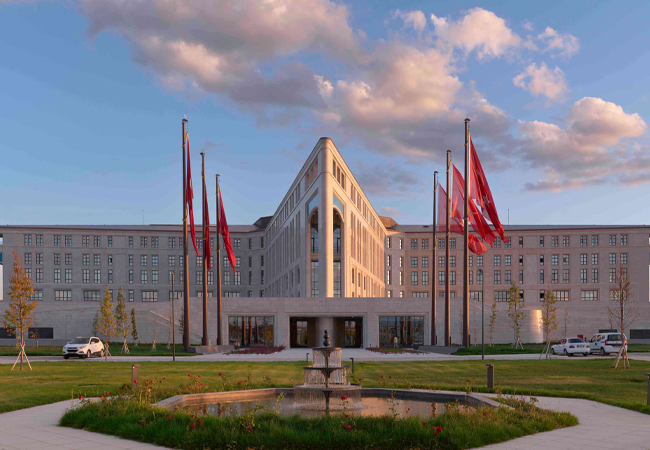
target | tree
[
  {"x": 122, "y": 320},
  {"x": 17, "y": 317},
  {"x": 622, "y": 313},
  {"x": 96, "y": 324},
  {"x": 34, "y": 334},
  {"x": 516, "y": 313},
  {"x": 548, "y": 319},
  {"x": 493, "y": 321},
  {"x": 107, "y": 323},
  {"x": 134, "y": 328}
]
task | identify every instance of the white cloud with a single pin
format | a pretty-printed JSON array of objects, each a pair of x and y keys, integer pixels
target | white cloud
[
  {"x": 479, "y": 30},
  {"x": 528, "y": 26},
  {"x": 388, "y": 211},
  {"x": 413, "y": 19},
  {"x": 593, "y": 149},
  {"x": 385, "y": 179},
  {"x": 540, "y": 80},
  {"x": 557, "y": 44}
]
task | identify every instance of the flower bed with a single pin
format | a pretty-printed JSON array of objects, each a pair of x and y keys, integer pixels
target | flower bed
[
  {"x": 257, "y": 350},
  {"x": 392, "y": 350}
]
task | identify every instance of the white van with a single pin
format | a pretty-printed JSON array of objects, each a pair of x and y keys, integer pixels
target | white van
[{"x": 605, "y": 343}]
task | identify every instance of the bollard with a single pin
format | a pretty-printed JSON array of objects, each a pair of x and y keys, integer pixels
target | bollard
[
  {"x": 648, "y": 399},
  {"x": 135, "y": 374},
  {"x": 352, "y": 359},
  {"x": 307, "y": 357},
  {"x": 490, "y": 376}
]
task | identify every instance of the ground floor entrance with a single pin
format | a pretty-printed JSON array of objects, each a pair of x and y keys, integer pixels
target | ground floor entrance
[
  {"x": 344, "y": 331},
  {"x": 349, "y": 332}
]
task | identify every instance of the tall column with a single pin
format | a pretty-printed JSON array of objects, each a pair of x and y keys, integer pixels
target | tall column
[{"x": 325, "y": 224}]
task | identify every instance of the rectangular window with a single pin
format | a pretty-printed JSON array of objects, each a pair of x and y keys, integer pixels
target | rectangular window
[
  {"x": 154, "y": 260},
  {"x": 68, "y": 241},
  {"x": 237, "y": 262},
  {"x": 143, "y": 242},
  {"x": 414, "y": 278},
  {"x": 199, "y": 277},
  {"x": 507, "y": 279},
  {"x": 57, "y": 240},
  {"x": 583, "y": 276},
  {"x": 471, "y": 261},
  {"x": 441, "y": 278},
  {"x": 612, "y": 258},
  {"x": 63, "y": 295},
  {"x": 39, "y": 259},
  {"x": 554, "y": 260},
  {"x": 476, "y": 295},
  {"x": 623, "y": 258},
  {"x": 583, "y": 259},
  {"x": 507, "y": 260},
  {"x": 97, "y": 260},
  {"x": 612, "y": 275},
  {"x": 508, "y": 243},
  {"x": 561, "y": 296},
  {"x": 594, "y": 275},
  {"x": 110, "y": 260},
  {"x": 521, "y": 277},
  {"x": 130, "y": 260},
  {"x": 555, "y": 276},
  {"x": 92, "y": 296},
  {"x": 594, "y": 240},
  {"x": 521, "y": 242},
  {"x": 154, "y": 242},
  {"x": 565, "y": 241},
  {"x": 143, "y": 260},
  {"x": 237, "y": 279},
  {"x": 565, "y": 260},
  {"x": 565, "y": 276},
  {"x": 452, "y": 243},
  {"x": 86, "y": 276},
  {"x": 479, "y": 277},
  {"x": 470, "y": 277},
  {"x": 171, "y": 242},
  {"x": 39, "y": 240},
  {"x": 441, "y": 261},
  {"x": 541, "y": 241},
  {"x": 388, "y": 242},
  {"x": 39, "y": 275},
  {"x": 28, "y": 240},
  {"x": 57, "y": 275},
  {"x": 171, "y": 261},
  {"x": 131, "y": 276},
  {"x": 199, "y": 261},
  {"x": 583, "y": 240},
  {"x": 401, "y": 243},
  {"x": 262, "y": 242},
  {"x": 589, "y": 296},
  {"x": 261, "y": 260},
  {"x": 68, "y": 275},
  {"x": 154, "y": 277},
  {"x": 497, "y": 277},
  {"x": 425, "y": 261},
  {"x": 555, "y": 241},
  {"x": 425, "y": 244},
  {"x": 497, "y": 243},
  {"x": 541, "y": 276},
  {"x": 521, "y": 260},
  {"x": 594, "y": 259},
  {"x": 497, "y": 261},
  {"x": 28, "y": 258},
  {"x": 143, "y": 277},
  {"x": 612, "y": 239},
  {"x": 425, "y": 278},
  {"x": 85, "y": 241},
  {"x": 479, "y": 261},
  {"x": 98, "y": 276},
  {"x": 131, "y": 241},
  {"x": 414, "y": 261},
  {"x": 97, "y": 240},
  {"x": 623, "y": 239},
  {"x": 414, "y": 244},
  {"x": 441, "y": 244},
  {"x": 452, "y": 277},
  {"x": 500, "y": 296},
  {"x": 149, "y": 296},
  {"x": 236, "y": 243}
]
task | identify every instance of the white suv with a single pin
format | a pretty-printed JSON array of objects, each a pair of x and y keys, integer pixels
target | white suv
[
  {"x": 83, "y": 347},
  {"x": 605, "y": 343}
]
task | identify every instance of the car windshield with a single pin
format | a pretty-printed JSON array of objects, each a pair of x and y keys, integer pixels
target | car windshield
[
  {"x": 576, "y": 341},
  {"x": 614, "y": 337},
  {"x": 79, "y": 341}
]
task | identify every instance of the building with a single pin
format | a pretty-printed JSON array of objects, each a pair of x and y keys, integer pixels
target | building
[{"x": 326, "y": 260}]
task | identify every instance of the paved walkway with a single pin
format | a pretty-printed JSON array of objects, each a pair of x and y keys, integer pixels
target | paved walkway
[
  {"x": 36, "y": 428},
  {"x": 297, "y": 354},
  {"x": 601, "y": 427}
]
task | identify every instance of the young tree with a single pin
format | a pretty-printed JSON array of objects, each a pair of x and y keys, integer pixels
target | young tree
[
  {"x": 493, "y": 321},
  {"x": 622, "y": 313},
  {"x": 96, "y": 324},
  {"x": 122, "y": 320},
  {"x": 17, "y": 317},
  {"x": 107, "y": 323},
  {"x": 516, "y": 313},
  {"x": 134, "y": 328},
  {"x": 548, "y": 319}
]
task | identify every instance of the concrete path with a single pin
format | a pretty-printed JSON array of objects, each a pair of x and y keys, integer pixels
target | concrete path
[
  {"x": 36, "y": 428},
  {"x": 601, "y": 427},
  {"x": 297, "y": 354}
]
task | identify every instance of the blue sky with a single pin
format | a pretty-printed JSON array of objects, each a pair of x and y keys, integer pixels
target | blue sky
[{"x": 93, "y": 94}]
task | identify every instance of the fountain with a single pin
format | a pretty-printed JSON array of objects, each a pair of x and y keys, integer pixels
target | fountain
[{"x": 325, "y": 377}]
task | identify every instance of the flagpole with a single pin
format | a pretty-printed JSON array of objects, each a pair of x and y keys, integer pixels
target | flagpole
[
  {"x": 447, "y": 284},
  {"x": 186, "y": 271},
  {"x": 434, "y": 262},
  {"x": 205, "y": 340},
  {"x": 466, "y": 242},
  {"x": 218, "y": 264}
]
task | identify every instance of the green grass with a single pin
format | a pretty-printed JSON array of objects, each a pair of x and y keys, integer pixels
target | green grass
[
  {"x": 503, "y": 349},
  {"x": 588, "y": 378},
  {"x": 177, "y": 429},
  {"x": 115, "y": 348}
]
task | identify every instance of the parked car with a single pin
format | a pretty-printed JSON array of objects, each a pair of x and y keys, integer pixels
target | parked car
[
  {"x": 83, "y": 347},
  {"x": 570, "y": 347},
  {"x": 605, "y": 343}
]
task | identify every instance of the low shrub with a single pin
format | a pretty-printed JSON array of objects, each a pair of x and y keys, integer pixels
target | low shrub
[{"x": 257, "y": 350}]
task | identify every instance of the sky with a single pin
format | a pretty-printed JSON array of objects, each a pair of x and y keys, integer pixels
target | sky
[{"x": 93, "y": 94}]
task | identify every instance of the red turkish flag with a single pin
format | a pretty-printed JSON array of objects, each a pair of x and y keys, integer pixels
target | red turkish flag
[
  {"x": 206, "y": 220},
  {"x": 456, "y": 224},
  {"x": 223, "y": 231},
  {"x": 476, "y": 219},
  {"x": 189, "y": 195}
]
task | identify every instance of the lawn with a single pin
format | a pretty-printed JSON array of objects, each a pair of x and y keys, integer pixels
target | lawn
[
  {"x": 592, "y": 379},
  {"x": 115, "y": 347},
  {"x": 502, "y": 349}
]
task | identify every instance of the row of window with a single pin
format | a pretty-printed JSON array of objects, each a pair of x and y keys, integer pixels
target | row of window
[
  {"x": 144, "y": 241},
  {"x": 584, "y": 240},
  {"x": 65, "y": 295},
  {"x": 504, "y": 296}
]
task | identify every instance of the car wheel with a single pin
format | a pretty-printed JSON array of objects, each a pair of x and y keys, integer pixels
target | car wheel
[
  {"x": 586, "y": 354},
  {"x": 602, "y": 352},
  {"x": 566, "y": 353},
  {"x": 552, "y": 351},
  {"x": 88, "y": 355},
  {"x": 65, "y": 357},
  {"x": 101, "y": 353}
]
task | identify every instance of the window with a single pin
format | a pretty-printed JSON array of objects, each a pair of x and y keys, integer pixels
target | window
[
  {"x": 541, "y": 276},
  {"x": 623, "y": 239},
  {"x": 507, "y": 260},
  {"x": 414, "y": 244},
  {"x": 476, "y": 295},
  {"x": 414, "y": 278},
  {"x": 583, "y": 240},
  {"x": 262, "y": 242},
  {"x": 63, "y": 295},
  {"x": 521, "y": 242},
  {"x": 500, "y": 296},
  {"x": 414, "y": 261},
  {"x": 521, "y": 277},
  {"x": 401, "y": 278},
  {"x": 507, "y": 277},
  {"x": 612, "y": 239},
  {"x": 470, "y": 277},
  {"x": 623, "y": 258},
  {"x": 130, "y": 260},
  {"x": 497, "y": 260},
  {"x": 565, "y": 260},
  {"x": 28, "y": 258},
  {"x": 97, "y": 240},
  {"x": 425, "y": 278},
  {"x": 85, "y": 241},
  {"x": 441, "y": 261},
  {"x": 555, "y": 276},
  {"x": 68, "y": 275},
  {"x": 594, "y": 275},
  {"x": 561, "y": 296},
  {"x": 471, "y": 261},
  {"x": 452, "y": 243},
  {"x": 154, "y": 242},
  {"x": 131, "y": 276},
  {"x": 425, "y": 244},
  {"x": 92, "y": 296},
  {"x": 86, "y": 276},
  {"x": 68, "y": 259},
  {"x": 97, "y": 260},
  {"x": 612, "y": 258},
  {"x": 237, "y": 279},
  {"x": 612, "y": 275},
  {"x": 452, "y": 261},
  {"x": 554, "y": 260},
  {"x": 497, "y": 243},
  {"x": 497, "y": 277},
  {"x": 226, "y": 277},
  {"x": 154, "y": 276},
  {"x": 57, "y": 275},
  {"x": 236, "y": 243},
  {"x": 425, "y": 261},
  {"x": 541, "y": 241},
  {"x": 555, "y": 241},
  {"x": 479, "y": 261},
  {"x": 541, "y": 260},
  {"x": 521, "y": 260},
  {"x": 583, "y": 259},
  {"x": 110, "y": 260},
  {"x": 171, "y": 242},
  {"x": 199, "y": 277},
  {"x": 237, "y": 262},
  {"x": 589, "y": 296},
  {"x": 171, "y": 261},
  {"x": 131, "y": 241},
  {"x": 479, "y": 277},
  {"x": 57, "y": 240},
  {"x": 583, "y": 276},
  {"x": 565, "y": 241},
  {"x": 143, "y": 260},
  {"x": 594, "y": 259},
  {"x": 39, "y": 240},
  {"x": 199, "y": 261},
  {"x": 401, "y": 243},
  {"x": 441, "y": 278},
  {"x": 154, "y": 260},
  {"x": 441, "y": 244},
  {"x": 149, "y": 296},
  {"x": 452, "y": 277},
  {"x": 143, "y": 277},
  {"x": 143, "y": 242},
  {"x": 28, "y": 240},
  {"x": 508, "y": 243},
  {"x": 594, "y": 240},
  {"x": 565, "y": 276},
  {"x": 39, "y": 275},
  {"x": 98, "y": 276},
  {"x": 261, "y": 260},
  {"x": 68, "y": 241},
  {"x": 388, "y": 242}
]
